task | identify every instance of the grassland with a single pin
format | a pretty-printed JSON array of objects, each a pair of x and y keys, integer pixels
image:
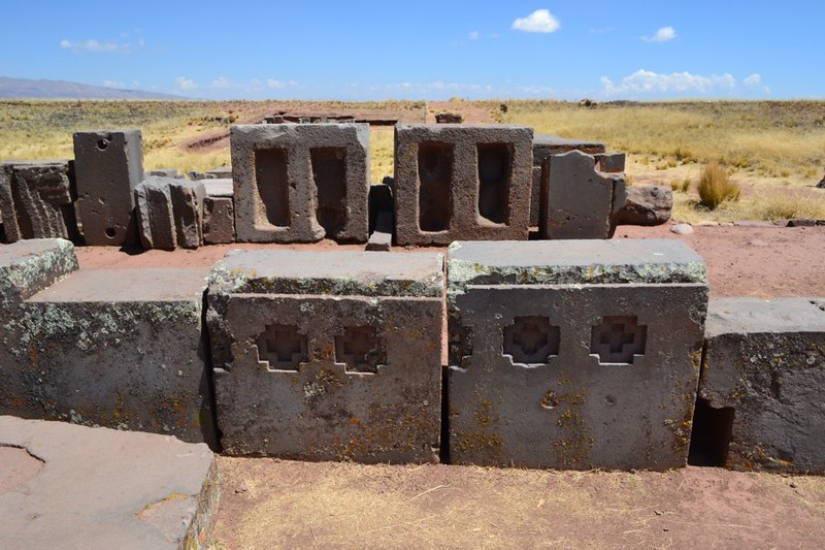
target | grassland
[{"x": 774, "y": 150}]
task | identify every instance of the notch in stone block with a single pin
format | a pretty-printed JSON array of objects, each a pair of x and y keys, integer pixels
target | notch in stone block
[
  {"x": 618, "y": 339},
  {"x": 360, "y": 349},
  {"x": 435, "y": 171},
  {"x": 282, "y": 348},
  {"x": 329, "y": 172},
  {"x": 495, "y": 166},
  {"x": 531, "y": 340},
  {"x": 272, "y": 184}
]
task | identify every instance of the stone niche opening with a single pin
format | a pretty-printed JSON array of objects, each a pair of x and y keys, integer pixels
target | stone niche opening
[
  {"x": 618, "y": 339},
  {"x": 329, "y": 172},
  {"x": 272, "y": 181},
  {"x": 711, "y": 434},
  {"x": 282, "y": 348},
  {"x": 360, "y": 349},
  {"x": 531, "y": 341},
  {"x": 495, "y": 165},
  {"x": 435, "y": 171}
]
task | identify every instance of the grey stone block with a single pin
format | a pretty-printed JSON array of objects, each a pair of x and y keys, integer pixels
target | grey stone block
[
  {"x": 218, "y": 220},
  {"x": 545, "y": 145},
  {"x": 573, "y": 354},
  {"x": 646, "y": 205},
  {"x": 328, "y": 356},
  {"x": 301, "y": 183},
  {"x": 461, "y": 182},
  {"x": 763, "y": 375},
  {"x": 27, "y": 267},
  {"x": 224, "y": 172},
  {"x": 108, "y": 167},
  {"x": 578, "y": 202},
  {"x": 381, "y": 238},
  {"x": 170, "y": 212},
  {"x": 165, "y": 173},
  {"x": 613, "y": 163},
  {"x": 36, "y": 199},
  {"x": 120, "y": 348},
  {"x": 219, "y": 187}
]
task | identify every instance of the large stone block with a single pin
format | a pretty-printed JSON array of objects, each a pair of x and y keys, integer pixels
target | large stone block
[
  {"x": 27, "y": 267},
  {"x": 36, "y": 198},
  {"x": 573, "y": 354},
  {"x": 170, "y": 212},
  {"x": 461, "y": 182},
  {"x": 296, "y": 183},
  {"x": 545, "y": 145},
  {"x": 328, "y": 356},
  {"x": 763, "y": 386},
  {"x": 119, "y": 348},
  {"x": 108, "y": 167},
  {"x": 578, "y": 201}
]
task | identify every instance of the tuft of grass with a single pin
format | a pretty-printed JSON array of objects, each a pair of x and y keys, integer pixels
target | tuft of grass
[
  {"x": 777, "y": 205},
  {"x": 716, "y": 187}
]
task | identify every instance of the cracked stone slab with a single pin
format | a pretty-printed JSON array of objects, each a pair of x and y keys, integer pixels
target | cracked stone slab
[{"x": 102, "y": 488}]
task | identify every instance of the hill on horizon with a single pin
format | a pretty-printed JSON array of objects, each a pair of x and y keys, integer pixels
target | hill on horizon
[{"x": 25, "y": 88}]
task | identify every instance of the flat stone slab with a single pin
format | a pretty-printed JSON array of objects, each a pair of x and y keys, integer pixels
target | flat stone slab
[
  {"x": 29, "y": 266},
  {"x": 222, "y": 187},
  {"x": 67, "y": 486}
]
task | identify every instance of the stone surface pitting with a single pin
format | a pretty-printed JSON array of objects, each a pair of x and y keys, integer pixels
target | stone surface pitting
[
  {"x": 27, "y": 267},
  {"x": 301, "y": 183},
  {"x": 573, "y": 354},
  {"x": 36, "y": 200},
  {"x": 102, "y": 488},
  {"x": 765, "y": 360},
  {"x": 328, "y": 356},
  {"x": 456, "y": 181}
]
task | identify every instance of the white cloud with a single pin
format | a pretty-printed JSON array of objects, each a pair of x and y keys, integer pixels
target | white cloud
[
  {"x": 222, "y": 83},
  {"x": 272, "y": 83},
  {"x": 538, "y": 21},
  {"x": 648, "y": 82},
  {"x": 92, "y": 45},
  {"x": 665, "y": 34},
  {"x": 474, "y": 35},
  {"x": 117, "y": 84},
  {"x": 752, "y": 81},
  {"x": 184, "y": 83}
]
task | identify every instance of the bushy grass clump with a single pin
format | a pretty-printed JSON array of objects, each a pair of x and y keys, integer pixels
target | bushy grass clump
[{"x": 716, "y": 187}]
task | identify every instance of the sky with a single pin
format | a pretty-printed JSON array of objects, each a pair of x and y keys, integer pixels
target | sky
[{"x": 423, "y": 49}]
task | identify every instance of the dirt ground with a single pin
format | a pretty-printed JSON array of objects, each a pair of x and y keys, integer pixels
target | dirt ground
[{"x": 268, "y": 503}]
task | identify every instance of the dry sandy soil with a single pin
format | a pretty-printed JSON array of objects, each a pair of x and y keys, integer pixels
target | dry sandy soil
[{"x": 269, "y": 503}]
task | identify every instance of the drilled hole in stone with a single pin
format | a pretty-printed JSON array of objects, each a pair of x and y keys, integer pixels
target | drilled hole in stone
[
  {"x": 282, "y": 347},
  {"x": 359, "y": 349},
  {"x": 102, "y": 144},
  {"x": 110, "y": 232},
  {"x": 618, "y": 339},
  {"x": 549, "y": 400},
  {"x": 531, "y": 340}
]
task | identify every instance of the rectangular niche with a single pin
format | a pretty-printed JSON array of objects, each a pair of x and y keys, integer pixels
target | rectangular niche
[
  {"x": 435, "y": 170},
  {"x": 495, "y": 164},
  {"x": 271, "y": 178},
  {"x": 360, "y": 349},
  {"x": 281, "y": 348},
  {"x": 618, "y": 339},
  {"x": 329, "y": 172}
]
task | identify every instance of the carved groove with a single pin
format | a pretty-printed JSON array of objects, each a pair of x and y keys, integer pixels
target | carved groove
[{"x": 618, "y": 339}]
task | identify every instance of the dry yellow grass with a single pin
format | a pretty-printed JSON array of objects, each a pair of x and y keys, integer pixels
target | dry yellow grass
[{"x": 716, "y": 186}]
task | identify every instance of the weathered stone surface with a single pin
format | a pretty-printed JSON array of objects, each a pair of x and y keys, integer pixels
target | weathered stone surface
[
  {"x": 573, "y": 354},
  {"x": 328, "y": 356},
  {"x": 36, "y": 200},
  {"x": 578, "y": 202},
  {"x": 461, "y": 182},
  {"x": 108, "y": 167},
  {"x": 119, "y": 348},
  {"x": 166, "y": 495},
  {"x": 165, "y": 173},
  {"x": 381, "y": 238},
  {"x": 449, "y": 118},
  {"x": 545, "y": 145},
  {"x": 224, "y": 172},
  {"x": 613, "y": 163},
  {"x": 219, "y": 187},
  {"x": 218, "y": 220},
  {"x": 27, "y": 267},
  {"x": 170, "y": 212},
  {"x": 301, "y": 183},
  {"x": 682, "y": 229},
  {"x": 763, "y": 384},
  {"x": 646, "y": 205}
]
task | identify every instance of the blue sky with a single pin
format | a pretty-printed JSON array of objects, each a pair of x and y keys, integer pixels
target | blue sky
[{"x": 368, "y": 49}]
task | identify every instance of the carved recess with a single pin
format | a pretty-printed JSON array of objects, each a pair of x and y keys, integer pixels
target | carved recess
[
  {"x": 531, "y": 340},
  {"x": 360, "y": 349},
  {"x": 282, "y": 347},
  {"x": 618, "y": 339}
]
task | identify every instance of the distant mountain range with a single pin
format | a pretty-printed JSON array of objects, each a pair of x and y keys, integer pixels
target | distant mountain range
[{"x": 24, "y": 88}]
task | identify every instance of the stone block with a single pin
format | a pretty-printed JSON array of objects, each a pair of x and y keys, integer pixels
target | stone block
[
  {"x": 170, "y": 212},
  {"x": 218, "y": 220},
  {"x": 763, "y": 386},
  {"x": 301, "y": 183},
  {"x": 165, "y": 173},
  {"x": 328, "y": 356},
  {"x": 577, "y": 201},
  {"x": 27, "y": 267},
  {"x": 461, "y": 182},
  {"x": 36, "y": 198},
  {"x": 224, "y": 172},
  {"x": 108, "y": 167},
  {"x": 219, "y": 187},
  {"x": 545, "y": 145},
  {"x": 573, "y": 354},
  {"x": 381, "y": 238},
  {"x": 646, "y": 205},
  {"x": 613, "y": 163},
  {"x": 120, "y": 348}
]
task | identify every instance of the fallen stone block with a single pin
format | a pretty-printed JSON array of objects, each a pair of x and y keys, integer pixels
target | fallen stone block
[
  {"x": 219, "y": 187},
  {"x": 187, "y": 210},
  {"x": 218, "y": 220},
  {"x": 646, "y": 205},
  {"x": 64, "y": 486},
  {"x": 381, "y": 239},
  {"x": 301, "y": 183},
  {"x": 108, "y": 167},
  {"x": 170, "y": 212},
  {"x": 613, "y": 163},
  {"x": 545, "y": 145},
  {"x": 573, "y": 354},
  {"x": 577, "y": 201},
  {"x": 328, "y": 356},
  {"x": 762, "y": 386},
  {"x": 119, "y": 348},
  {"x": 461, "y": 182}
]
